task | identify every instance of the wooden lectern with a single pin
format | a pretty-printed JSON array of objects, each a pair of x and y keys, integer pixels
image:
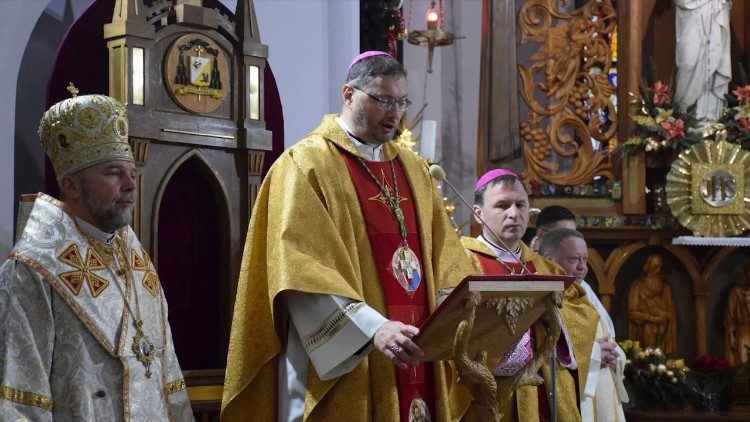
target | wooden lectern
[{"x": 486, "y": 316}]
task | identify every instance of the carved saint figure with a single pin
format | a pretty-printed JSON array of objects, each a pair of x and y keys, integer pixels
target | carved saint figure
[
  {"x": 737, "y": 322},
  {"x": 651, "y": 309}
]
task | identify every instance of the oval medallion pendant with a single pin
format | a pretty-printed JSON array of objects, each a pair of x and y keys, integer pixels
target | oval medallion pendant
[
  {"x": 418, "y": 411},
  {"x": 143, "y": 348},
  {"x": 406, "y": 268}
]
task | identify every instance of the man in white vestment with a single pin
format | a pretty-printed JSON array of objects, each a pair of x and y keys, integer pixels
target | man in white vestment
[
  {"x": 604, "y": 391},
  {"x": 83, "y": 318},
  {"x": 703, "y": 56}
]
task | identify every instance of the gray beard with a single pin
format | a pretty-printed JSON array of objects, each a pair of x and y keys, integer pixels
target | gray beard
[{"x": 106, "y": 218}]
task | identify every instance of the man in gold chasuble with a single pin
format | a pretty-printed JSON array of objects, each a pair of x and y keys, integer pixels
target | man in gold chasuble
[
  {"x": 502, "y": 202},
  {"x": 600, "y": 400},
  {"x": 84, "y": 334},
  {"x": 347, "y": 245}
]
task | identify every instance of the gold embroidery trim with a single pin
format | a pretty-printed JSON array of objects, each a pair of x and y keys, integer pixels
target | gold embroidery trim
[
  {"x": 84, "y": 270},
  {"x": 175, "y": 386},
  {"x": 27, "y": 397},
  {"x": 138, "y": 262},
  {"x": 71, "y": 301},
  {"x": 151, "y": 282},
  {"x": 331, "y": 326}
]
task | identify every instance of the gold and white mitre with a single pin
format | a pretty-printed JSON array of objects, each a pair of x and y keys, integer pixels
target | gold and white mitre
[{"x": 82, "y": 131}]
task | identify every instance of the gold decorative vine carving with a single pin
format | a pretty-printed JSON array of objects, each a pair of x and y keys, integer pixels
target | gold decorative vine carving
[
  {"x": 509, "y": 308},
  {"x": 564, "y": 96}
]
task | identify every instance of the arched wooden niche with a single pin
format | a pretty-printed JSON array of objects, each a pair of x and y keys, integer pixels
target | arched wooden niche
[
  {"x": 191, "y": 244},
  {"x": 683, "y": 273},
  {"x": 722, "y": 270}
]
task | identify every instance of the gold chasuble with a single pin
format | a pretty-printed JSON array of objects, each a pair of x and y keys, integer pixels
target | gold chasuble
[
  {"x": 307, "y": 233},
  {"x": 579, "y": 318}
]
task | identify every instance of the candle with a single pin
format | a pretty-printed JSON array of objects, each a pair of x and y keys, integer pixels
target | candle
[{"x": 427, "y": 139}]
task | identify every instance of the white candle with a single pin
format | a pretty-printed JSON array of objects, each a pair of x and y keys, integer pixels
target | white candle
[{"x": 427, "y": 139}]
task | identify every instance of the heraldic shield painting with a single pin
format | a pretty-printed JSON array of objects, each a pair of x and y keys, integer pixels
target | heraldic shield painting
[{"x": 193, "y": 72}]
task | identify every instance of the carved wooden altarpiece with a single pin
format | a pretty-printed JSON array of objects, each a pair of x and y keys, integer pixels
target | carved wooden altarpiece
[{"x": 550, "y": 110}]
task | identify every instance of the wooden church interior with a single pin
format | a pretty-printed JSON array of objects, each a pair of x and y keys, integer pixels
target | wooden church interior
[{"x": 215, "y": 150}]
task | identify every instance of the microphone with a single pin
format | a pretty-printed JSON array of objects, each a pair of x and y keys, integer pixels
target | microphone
[{"x": 438, "y": 173}]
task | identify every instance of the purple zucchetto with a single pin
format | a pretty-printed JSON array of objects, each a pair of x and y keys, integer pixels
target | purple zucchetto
[
  {"x": 365, "y": 55},
  {"x": 492, "y": 175}
]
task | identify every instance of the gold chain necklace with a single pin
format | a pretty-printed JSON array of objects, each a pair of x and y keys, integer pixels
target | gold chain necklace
[
  {"x": 500, "y": 260},
  {"x": 142, "y": 346},
  {"x": 404, "y": 262},
  {"x": 391, "y": 199}
]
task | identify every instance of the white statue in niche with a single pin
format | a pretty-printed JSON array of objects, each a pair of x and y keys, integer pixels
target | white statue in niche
[{"x": 703, "y": 56}]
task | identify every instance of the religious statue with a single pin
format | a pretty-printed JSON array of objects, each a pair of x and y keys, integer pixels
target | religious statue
[
  {"x": 651, "y": 309},
  {"x": 737, "y": 322},
  {"x": 703, "y": 56}
]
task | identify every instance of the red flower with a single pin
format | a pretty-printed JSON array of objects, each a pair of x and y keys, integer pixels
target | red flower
[
  {"x": 661, "y": 94},
  {"x": 708, "y": 363},
  {"x": 742, "y": 93},
  {"x": 744, "y": 124},
  {"x": 675, "y": 129}
]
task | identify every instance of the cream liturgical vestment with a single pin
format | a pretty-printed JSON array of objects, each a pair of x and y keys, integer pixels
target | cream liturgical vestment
[
  {"x": 601, "y": 399},
  {"x": 69, "y": 299}
]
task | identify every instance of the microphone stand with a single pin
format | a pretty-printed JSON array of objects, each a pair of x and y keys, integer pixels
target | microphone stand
[{"x": 553, "y": 385}]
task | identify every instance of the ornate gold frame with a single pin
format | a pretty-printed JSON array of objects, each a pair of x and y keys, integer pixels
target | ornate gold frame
[{"x": 687, "y": 195}]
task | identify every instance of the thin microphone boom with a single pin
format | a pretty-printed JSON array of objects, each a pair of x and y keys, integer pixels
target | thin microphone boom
[{"x": 438, "y": 173}]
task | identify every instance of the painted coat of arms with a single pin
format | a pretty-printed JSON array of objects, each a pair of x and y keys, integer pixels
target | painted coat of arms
[{"x": 198, "y": 70}]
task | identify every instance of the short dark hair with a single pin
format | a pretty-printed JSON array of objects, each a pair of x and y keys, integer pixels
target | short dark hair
[
  {"x": 508, "y": 180},
  {"x": 550, "y": 215},
  {"x": 554, "y": 238},
  {"x": 362, "y": 73}
]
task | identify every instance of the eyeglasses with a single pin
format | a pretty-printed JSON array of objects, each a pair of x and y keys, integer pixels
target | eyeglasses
[{"x": 387, "y": 103}]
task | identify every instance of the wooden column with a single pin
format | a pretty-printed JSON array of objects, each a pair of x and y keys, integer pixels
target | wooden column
[
  {"x": 255, "y": 160},
  {"x": 629, "y": 32},
  {"x": 140, "y": 153},
  {"x": 701, "y": 335},
  {"x": 497, "y": 134}
]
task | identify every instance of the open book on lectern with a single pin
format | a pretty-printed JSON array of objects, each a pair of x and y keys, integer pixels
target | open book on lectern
[{"x": 495, "y": 328}]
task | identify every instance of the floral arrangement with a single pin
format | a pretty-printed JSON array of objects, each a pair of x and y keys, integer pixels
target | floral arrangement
[
  {"x": 657, "y": 381},
  {"x": 660, "y": 123},
  {"x": 707, "y": 385},
  {"x": 654, "y": 362},
  {"x": 736, "y": 116},
  {"x": 653, "y": 380}
]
